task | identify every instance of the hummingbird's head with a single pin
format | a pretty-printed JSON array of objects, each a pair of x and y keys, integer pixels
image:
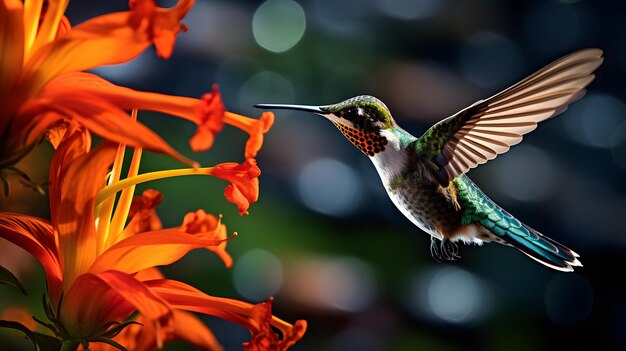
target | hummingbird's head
[{"x": 361, "y": 119}]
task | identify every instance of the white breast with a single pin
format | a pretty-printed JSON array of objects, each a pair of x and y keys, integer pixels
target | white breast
[
  {"x": 391, "y": 161},
  {"x": 389, "y": 164}
]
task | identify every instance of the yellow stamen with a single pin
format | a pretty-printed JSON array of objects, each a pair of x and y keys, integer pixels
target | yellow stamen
[
  {"x": 50, "y": 25},
  {"x": 126, "y": 198},
  {"x": 112, "y": 189},
  {"x": 106, "y": 210},
  {"x": 32, "y": 15}
]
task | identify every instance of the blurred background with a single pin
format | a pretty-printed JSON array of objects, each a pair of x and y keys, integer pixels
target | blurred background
[{"x": 324, "y": 238}]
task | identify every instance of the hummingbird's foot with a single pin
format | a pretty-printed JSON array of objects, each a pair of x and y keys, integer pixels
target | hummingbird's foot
[
  {"x": 435, "y": 252},
  {"x": 444, "y": 250},
  {"x": 449, "y": 250}
]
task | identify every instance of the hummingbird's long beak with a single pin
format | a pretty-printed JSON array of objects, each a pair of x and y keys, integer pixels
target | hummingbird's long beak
[{"x": 314, "y": 109}]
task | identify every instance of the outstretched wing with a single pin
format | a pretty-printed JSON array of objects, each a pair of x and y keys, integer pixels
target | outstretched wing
[{"x": 489, "y": 127}]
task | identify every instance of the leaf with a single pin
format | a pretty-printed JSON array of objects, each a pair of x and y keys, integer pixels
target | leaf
[
  {"x": 21, "y": 327},
  {"x": 20, "y": 173},
  {"x": 47, "y": 325},
  {"x": 7, "y": 278},
  {"x": 41, "y": 342},
  {"x": 113, "y": 332},
  {"x": 110, "y": 342},
  {"x": 47, "y": 342}
]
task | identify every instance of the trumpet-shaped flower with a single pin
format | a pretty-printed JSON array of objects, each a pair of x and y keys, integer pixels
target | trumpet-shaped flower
[
  {"x": 43, "y": 83},
  {"x": 99, "y": 269}
]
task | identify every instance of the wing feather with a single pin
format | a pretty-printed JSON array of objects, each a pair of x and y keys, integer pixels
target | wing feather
[{"x": 490, "y": 127}]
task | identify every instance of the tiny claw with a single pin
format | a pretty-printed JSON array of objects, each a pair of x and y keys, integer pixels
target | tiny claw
[
  {"x": 434, "y": 249},
  {"x": 450, "y": 250},
  {"x": 444, "y": 250}
]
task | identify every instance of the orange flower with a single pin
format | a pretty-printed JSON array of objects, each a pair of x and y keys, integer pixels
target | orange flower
[
  {"x": 202, "y": 222},
  {"x": 244, "y": 187},
  {"x": 42, "y": 83},
  {"x": 99, "y": 269},
  {"x": 211, "y": 121},
  {"x": 40, "y": 51},
  {"x": 143, "y": 213},
  {"x": 258, "y": 319},
  {"x": 186, "y": 327},
  {"x": 255, "y": 127}
]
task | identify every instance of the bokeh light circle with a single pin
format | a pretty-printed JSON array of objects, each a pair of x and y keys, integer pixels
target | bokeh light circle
[
  {"x": 454, "y": 295},
  {"x": 278, "y": 25},
  {"x": 568, "y": 299},
  {"x": 257, "y": 275},
  {"x": 411, "y": 9},
  {"x": 449, "y": 294},
  {"x": 618, "y": 146},
  {"x": 330, "y": 187},
  {"x": 593, "y": 120},
  {"x": 490, "y": 60},
  {"x": 265, "y": 86},
  {"x": 347, "y": 284},
  {"x": 526, "y": 174}
]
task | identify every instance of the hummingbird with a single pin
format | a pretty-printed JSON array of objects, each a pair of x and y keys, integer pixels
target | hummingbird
[{"x": 425, "y": 176}]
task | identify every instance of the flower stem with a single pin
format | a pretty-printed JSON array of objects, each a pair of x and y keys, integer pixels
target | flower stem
[
  {"x": 112, "y": 189},
  {"x": 69, "y": 345}
]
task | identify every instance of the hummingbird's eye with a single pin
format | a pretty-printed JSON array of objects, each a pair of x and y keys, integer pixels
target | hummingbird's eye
[
  {"x": 350, "y": 113},
  {"x": 359, "y": 117}
]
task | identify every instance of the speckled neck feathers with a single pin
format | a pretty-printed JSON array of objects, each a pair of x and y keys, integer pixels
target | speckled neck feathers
[{"x": 369, "y": 143}]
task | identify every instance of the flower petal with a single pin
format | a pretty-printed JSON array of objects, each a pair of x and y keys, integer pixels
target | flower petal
[
  {"x": 186, "y": 327},
  {"x": 189, "y": 328},
  {"x": 149, "y": 274},
  {"x": 266, "y": 339},
  {"x": 143, "y": 213},
  {"x": 202, "y": 222},
  {"x": 162, "y": 24},
  {"x": 102, "y": 118},
  {"x": 258, "y": 318},
  {"x": 255, "y": 127},
  {"x": 211, "y": 121},
  {"x": 11, "y": 59},
  {"x": 126, "y": 98},
  {"x": 234, "y": 195},
  {"x": 109, "y": 39},
  {"x": 11, "y": 44},
  {"x": 96, "y": 299},
  {"x": 244, "y": 189},
  {"x": 207, "y": 113},
  {"x": 145, "y": 250},
  {"x": 34, "y": 235},
  {"x": 75, "y": 181}
]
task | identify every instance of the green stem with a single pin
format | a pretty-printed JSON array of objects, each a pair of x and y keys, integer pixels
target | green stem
[{"x": 69, "y": 345}]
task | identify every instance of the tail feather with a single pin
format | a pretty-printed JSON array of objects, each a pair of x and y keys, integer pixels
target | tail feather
[
  {"x": 496, "y": 224},
  {"x": 544, "y": 250}
]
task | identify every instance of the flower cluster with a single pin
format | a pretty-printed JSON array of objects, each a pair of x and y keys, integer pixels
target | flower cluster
[{"x": 102, "y": 244}]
